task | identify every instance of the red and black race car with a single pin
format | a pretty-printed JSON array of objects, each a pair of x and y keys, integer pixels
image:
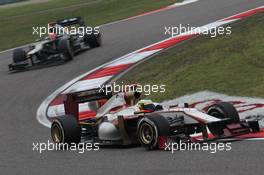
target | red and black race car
[{"x": 123, "y": 119}]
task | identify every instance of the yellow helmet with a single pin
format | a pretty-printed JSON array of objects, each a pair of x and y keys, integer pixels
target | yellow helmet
[{"x": 146, "y": 105}]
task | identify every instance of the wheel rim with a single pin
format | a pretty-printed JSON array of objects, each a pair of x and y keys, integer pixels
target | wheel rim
[
  {"x": 56, "y": 134},
  {"x": 146, "y": 133}
]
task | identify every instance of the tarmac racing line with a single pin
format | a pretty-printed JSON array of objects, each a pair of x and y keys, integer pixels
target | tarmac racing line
[{"x": 53, "y": 105}]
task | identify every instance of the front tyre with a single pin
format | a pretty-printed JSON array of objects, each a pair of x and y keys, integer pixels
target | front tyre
[
  {"x": 93, "y": 40},
  {"x": 150, "y": 128},
  {"x": 66, "y": 129},
  {"x": 64, "y": 47},
  {"x": 19, "y": 55},
  {"x": 224, "y": 110}
]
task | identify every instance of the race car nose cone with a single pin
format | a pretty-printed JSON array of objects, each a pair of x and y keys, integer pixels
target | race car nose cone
[{"x": 108, "y": 131}]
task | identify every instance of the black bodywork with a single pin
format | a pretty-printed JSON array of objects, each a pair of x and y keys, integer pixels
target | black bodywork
[{"x": 58, "y": 50}]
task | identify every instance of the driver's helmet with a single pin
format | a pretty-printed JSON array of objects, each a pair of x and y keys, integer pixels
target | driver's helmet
[
  {"x": 55, "y": 30},
  {"x": 52, "y": 31},
  {"x": 52, "y": 36},
  {"x": 146, "y": 105}
]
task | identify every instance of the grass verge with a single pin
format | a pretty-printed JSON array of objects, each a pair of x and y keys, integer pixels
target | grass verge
[
  {"x": 231, "y": 64},
  {"x": 17, "y": 22}
]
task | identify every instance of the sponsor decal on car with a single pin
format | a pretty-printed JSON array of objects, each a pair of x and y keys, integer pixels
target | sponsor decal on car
[{"x": 249, "y": 108}]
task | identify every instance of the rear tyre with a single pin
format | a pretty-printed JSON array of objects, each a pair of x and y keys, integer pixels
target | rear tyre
[
  {"x": 19, "y": 55},
  {"x": 65, "y": 48},
  {"x": 150, "y": 128},
  {"x": 66, "y": 129},
  {"x": 93, "y": 40}
]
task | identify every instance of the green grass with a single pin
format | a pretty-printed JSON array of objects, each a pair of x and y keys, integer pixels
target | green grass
[
  {"x": 17, "y": 22},
  {"x": 231, "y": 64}
]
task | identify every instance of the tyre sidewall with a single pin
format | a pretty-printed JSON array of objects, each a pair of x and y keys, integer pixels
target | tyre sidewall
[
  {"x": 160, "y": 126},
  {"x": 65, "y": 48},
  {"x": 19, "y": 55},
  {"x": 153, "y": 143},
  {"x": 226, "y": 110},
  {"x": 93, "y": 40},
  {"x": 70, "y": 128}
]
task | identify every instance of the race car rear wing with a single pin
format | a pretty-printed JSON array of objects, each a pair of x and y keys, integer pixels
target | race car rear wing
[
  {"x": 72, "y": 100},
  {"x": 71, "y": 21},
  {"x": 91, "y": 95}
]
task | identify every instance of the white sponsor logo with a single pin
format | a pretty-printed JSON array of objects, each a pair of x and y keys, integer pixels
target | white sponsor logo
[
  {"x": 213, "y": 32},
  {"x": 145, "y": 89},
  {"x": 59, "y": 30},
  {"x": 78, "y": 147},
  {"x": 192, "y": 146}
]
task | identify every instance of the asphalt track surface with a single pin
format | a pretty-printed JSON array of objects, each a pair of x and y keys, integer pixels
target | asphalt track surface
[{"x": 22, "y": 93}]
